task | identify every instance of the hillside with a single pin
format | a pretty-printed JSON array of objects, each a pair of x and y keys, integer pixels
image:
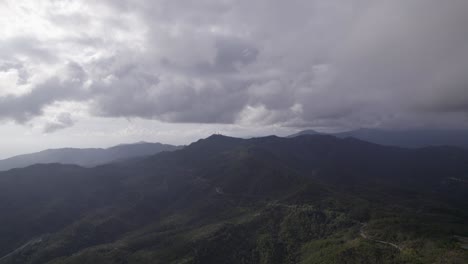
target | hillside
[
  {"x": 308, "y": 199},
  {"x": 403, "y": 138},
  {"x": 86, "y": 157}
]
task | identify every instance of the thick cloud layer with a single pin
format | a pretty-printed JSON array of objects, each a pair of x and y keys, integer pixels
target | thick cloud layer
[{"x": 314, "y": 63}]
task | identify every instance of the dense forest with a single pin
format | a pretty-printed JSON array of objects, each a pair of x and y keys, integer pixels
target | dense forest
[{"x": 308, "y": 199}]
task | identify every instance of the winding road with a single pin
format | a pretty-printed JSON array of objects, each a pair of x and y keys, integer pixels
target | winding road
[{"x": 365, "y": 236}]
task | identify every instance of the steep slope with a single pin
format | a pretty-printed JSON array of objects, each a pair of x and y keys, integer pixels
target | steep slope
[
  {"x": 85, "y": 157},
  {"x": 228, "y": 200}
]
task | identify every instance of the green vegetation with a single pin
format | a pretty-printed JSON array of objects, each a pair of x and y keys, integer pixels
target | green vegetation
[{"x": 226, "y": 200}]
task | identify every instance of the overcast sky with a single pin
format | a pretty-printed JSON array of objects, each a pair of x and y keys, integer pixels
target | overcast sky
[{"x": 96, "y": 73}]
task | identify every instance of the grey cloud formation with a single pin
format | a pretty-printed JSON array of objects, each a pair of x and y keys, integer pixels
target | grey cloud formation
[
  {"x": 168, "y": 98},
  {"x": 27, "y": 48},
  {"x": 323, "y": 63},
  {"x": 23, "y": 74},
  {"x": 404, "y": 57},
  {"x": 66, "y": 87},
  {"x": 61, "y": 121}
]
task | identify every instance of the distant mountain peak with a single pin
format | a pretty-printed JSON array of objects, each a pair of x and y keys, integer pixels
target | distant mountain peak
[
  {"x": 215, "y": 140},
  {"x": 306, "y": 132},
  {"x": 87, "y": 157},
  {"x": 217, "y": 135},
  {"x": 136, "y": 143},
  {"x": 414, "y": 138}
]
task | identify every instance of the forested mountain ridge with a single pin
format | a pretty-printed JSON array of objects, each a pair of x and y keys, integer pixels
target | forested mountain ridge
[
  {"x": 230, "y": 200},
  {"x": 415, "y": 138}
]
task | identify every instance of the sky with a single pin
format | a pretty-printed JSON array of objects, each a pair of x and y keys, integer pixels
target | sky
[{"x": 82, "y": 73}]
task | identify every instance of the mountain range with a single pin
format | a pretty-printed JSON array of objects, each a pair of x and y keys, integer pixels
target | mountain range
[
  {"x": 403, "y": 138},
  {"x": 87, "y": 157},
  {"x": 307, "y": 199}
]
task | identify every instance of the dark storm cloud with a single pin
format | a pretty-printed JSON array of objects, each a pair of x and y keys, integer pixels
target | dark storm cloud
[
  {"x": 169, "y": 98},
  {"x": 340, "y": 64},
  {"x": 415, "y": 60},
  {"x": 230, "y": 54}
]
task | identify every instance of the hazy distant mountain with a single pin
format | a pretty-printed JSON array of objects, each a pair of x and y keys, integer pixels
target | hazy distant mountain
[
  {"x": 406, "y": 138},
  {"x": 306, "y": 132},
  {"x": 309, "y": 199},
  {"x": 87, "y": 157}
]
